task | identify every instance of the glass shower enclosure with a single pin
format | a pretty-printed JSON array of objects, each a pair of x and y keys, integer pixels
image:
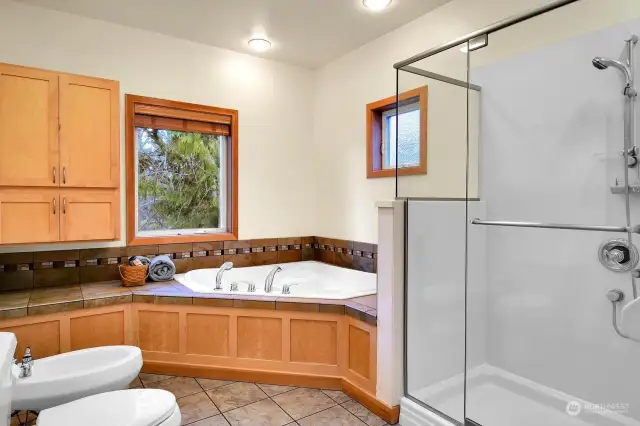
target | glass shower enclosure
[{"x": 521, "y": 302}]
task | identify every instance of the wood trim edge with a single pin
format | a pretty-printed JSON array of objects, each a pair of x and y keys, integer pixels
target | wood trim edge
[
  {"x": 403, "y": 171},
  {"x": 173, "y": 239},
  {"x": 242, "y": 375},
  {"x": 386, "y": 412},
  {"x": 130, "y": 154}
]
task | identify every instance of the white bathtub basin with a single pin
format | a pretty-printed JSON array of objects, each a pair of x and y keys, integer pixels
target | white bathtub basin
[
  {"x": 73, "y": 375},
  {"x": 313, "y": 280}
]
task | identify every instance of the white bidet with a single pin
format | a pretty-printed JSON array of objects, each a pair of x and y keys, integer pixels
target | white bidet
[{"x": 63, "y": 378}]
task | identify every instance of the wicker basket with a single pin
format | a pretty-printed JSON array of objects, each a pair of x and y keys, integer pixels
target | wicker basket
[{"x": 133, "y": 275}]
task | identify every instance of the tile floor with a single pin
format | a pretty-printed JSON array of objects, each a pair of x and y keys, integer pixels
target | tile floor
[{"x": 206, "y": 402}]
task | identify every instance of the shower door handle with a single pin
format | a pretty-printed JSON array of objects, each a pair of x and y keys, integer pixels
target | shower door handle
[{"x": 605, "y": 228}]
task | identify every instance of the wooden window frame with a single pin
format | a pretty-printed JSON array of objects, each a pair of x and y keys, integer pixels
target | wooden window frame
[
  {"x": 180, "y": 110},
  {"x": 375, "y": 138}
]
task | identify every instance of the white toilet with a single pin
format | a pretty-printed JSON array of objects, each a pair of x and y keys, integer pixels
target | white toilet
[{"x": 133, "y": 407}]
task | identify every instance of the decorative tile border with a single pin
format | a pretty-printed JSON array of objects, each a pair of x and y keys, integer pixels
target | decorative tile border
[{"x": 46, "y": 269}]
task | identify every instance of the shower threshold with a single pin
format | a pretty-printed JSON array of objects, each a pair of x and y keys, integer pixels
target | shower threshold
[{"x": 496, "y": 397}]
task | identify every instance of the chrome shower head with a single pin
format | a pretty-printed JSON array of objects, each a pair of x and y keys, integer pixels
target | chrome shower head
[
  {"x": 604, "y": 63},
  {"x": 599, "y": 63}
]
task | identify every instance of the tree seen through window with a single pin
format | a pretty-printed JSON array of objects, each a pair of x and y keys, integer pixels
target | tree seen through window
[{"x": 178, "y": 180}]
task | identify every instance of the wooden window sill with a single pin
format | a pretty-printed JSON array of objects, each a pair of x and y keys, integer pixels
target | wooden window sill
[
  {"x": 193, "y": 238},
  {"x": 405, "y": 171}
]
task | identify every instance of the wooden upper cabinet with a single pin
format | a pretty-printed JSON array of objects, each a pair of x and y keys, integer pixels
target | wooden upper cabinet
[
  {"x": 29, "y": 215},
  {"x": 89, "y": 132},
  {"x": 59, "y": 157},
  {"x": 89, "y": 215},
  {"x": 28, "y": 127}
]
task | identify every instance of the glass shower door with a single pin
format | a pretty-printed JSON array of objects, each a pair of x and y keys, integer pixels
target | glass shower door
[{"x": 435, "y": 239}]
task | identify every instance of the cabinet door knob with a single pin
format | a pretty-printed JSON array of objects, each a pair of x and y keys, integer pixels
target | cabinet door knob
[
  {"x": 54, "y": 205},
  {"x": 64, "y": 206},
  {"x": 55, "y": 172},
  {"x": 64, "y": 175}
]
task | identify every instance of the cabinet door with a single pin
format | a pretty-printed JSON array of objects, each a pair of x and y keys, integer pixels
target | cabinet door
[
  {"x": 29, "y": 216},
  {"x": 89, "y": 132},
  {"x": 28, "y": 127},
  {"x": 88, "y": 215}
]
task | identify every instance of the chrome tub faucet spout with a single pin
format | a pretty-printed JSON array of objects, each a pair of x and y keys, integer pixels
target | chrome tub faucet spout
[
  {"x": 268, "y": 282},
  {"x": 225, "y": 267}
]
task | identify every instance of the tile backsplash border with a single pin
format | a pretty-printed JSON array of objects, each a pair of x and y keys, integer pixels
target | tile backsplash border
[{"x": 26, "y": 270}]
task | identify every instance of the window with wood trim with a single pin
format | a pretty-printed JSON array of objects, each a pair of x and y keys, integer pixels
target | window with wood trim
[
  {"x": 182, "y": 172},
  {"x": 405, "y": 149}
]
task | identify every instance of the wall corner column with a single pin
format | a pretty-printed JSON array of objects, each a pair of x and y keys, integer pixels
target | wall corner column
[{"x": 390, "y": 278}]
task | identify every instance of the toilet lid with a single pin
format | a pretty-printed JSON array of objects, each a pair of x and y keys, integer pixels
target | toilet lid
[{"x": 133, "y": 407}]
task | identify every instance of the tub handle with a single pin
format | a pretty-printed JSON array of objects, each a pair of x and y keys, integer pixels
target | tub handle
[
  {"x": 251, "y": 287},
  {"x": 286, "y": 288}
]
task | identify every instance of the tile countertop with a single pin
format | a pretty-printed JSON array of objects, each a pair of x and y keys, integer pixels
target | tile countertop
[{"x": 48, "y": 300}]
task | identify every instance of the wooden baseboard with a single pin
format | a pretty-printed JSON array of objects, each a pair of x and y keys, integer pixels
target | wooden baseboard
[
  {"x": 384, "y": 411},
  {"x": 388, "y": 413},
  {"x": 242, "y": 375}
]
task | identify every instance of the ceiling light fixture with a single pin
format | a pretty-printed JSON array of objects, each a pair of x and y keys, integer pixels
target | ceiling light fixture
[
  {"x": 259, "y": 44},
  {"x": 376, "y": 5}
]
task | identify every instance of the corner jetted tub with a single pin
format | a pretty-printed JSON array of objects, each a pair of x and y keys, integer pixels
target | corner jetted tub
[{"x": 313, "y": 280}]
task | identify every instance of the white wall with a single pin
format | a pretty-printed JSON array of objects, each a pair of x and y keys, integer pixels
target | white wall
[
  {"x": 343, "y": 88},
  {"x": 275, "y": 102}
]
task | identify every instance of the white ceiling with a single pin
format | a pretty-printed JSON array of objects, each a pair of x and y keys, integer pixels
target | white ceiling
[{"x": 309, "y": 33}]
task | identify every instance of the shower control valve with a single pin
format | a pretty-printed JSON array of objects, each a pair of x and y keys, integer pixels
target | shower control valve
[{"x": 618, "y": 255}]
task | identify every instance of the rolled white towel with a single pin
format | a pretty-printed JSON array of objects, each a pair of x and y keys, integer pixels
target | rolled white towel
[{"x": 161, "y": 268}]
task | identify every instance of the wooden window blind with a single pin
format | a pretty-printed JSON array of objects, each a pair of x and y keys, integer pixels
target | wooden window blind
[{"x": 169, "y": 118}]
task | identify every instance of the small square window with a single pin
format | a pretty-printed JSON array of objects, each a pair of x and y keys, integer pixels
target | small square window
[{"x": 408, "y": 150}]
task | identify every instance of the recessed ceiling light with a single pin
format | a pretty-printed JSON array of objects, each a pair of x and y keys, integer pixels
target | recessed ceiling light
[
  {"x": 376, "y": 5},
  {"x": 259, "y": 44}
]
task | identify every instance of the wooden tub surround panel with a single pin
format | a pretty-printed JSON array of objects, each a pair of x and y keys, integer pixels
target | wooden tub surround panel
[
  {"x": 97, "y": 330},
  {"x": 314, "y": 341},
  {"x": 259, "y": 338},
  {"x": 158, "y": 331},
  {"x": 208, "y": 334},
  {"x": 42, "y": 337},
  {"x": 288, "y": 347},
  {"x": 359, "y": 343}
]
